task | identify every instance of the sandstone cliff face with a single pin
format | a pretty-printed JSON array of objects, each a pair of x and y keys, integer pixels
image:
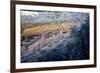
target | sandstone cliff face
[{"x": 46, "y": 28}]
